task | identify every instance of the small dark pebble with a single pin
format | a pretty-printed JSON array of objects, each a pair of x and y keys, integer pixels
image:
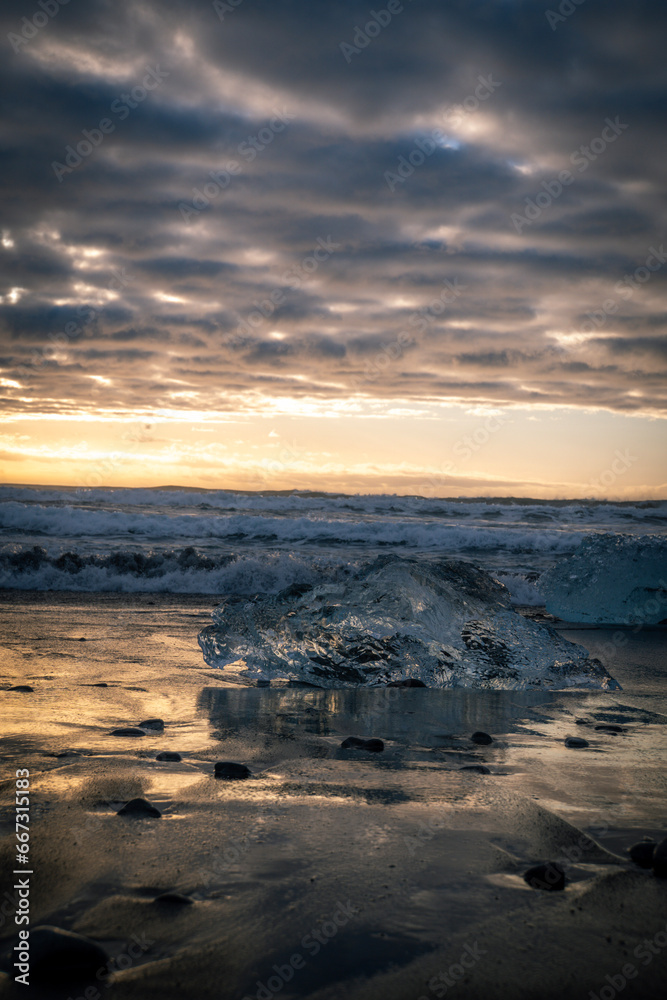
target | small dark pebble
[
  {"x": 139, "y": 808},
  {"x": 642, "y": 853},
  {"x": 576, "y": 742},
  {"x": 23, "y": 688},
  {"x": 409, "y": 682},
  {"x": 611, "y": 729},
  {"x": 478, "y": 768},
  {"x": 62, "y": 956},
  {"x": 168, "y": 755},
  {"x": 354, "y": 743},
  {"x": 128, "y": 731},
  {"x": 152, "y": 724},
  {"x": 82, "y": 639},
  {"x": 660, "y": 859},
  {"x": 482, "y": 739},
  {"x": 549, "y": 877},
  {"x": 374, "y": 745},
  {"x": 101, "y": 684},
  {"x": 174, "y": 899},
  {"x": 232, "y": 771}
]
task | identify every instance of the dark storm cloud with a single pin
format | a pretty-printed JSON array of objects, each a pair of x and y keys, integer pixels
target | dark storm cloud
[
  {"x": 362, "y": 224},
  {"x": 622, "y": 345}
]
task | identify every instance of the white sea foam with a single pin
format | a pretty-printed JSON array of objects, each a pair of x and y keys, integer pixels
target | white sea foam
[
  {"x": 74, "y": 522},
  {"x": 523, "y": 590}
]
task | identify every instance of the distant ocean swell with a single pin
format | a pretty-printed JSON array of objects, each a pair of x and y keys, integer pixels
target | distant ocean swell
[
  {"x": 509, "y": 510},
  {"x": 75, "y": 522}
]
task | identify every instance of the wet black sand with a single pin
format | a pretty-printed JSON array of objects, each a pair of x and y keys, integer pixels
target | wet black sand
[{"x": 329, "y": 872}]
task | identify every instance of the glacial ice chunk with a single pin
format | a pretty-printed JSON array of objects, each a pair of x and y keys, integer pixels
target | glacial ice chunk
[
  {"x": 445, "y": 623},
  {"x": 611, "y": 579}
]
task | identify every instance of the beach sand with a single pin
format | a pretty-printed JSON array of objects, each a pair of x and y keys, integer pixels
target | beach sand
[{"x": 329, "y": 872}]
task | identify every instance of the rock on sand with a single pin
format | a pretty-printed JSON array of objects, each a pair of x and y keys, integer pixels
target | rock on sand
[
  {"x": 62, "y": 956},
  {"x": 355, "y": 743},
  {"x": 576, "y": 742},
  {"x": 482, "y": 739},
  {"x": 549, "y": 877},
  {"x": 232, "y": 771},
  {"x": 139, "y": 809},
  {"x": 152, "y": 724}
]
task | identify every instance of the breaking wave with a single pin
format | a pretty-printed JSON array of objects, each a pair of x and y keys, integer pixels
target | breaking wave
[
  {"x": 179, "y": 572},
  {"x": 423, "y": 533}
]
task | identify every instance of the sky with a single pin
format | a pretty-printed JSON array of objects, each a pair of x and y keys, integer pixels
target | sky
[{"x": 414, "y": 247}]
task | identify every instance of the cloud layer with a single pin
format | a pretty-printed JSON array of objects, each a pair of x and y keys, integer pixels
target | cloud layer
[{"x": 211, "y": 207}]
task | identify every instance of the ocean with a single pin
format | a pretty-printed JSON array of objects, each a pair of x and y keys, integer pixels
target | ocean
[{"x": 188, "y": 541}]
